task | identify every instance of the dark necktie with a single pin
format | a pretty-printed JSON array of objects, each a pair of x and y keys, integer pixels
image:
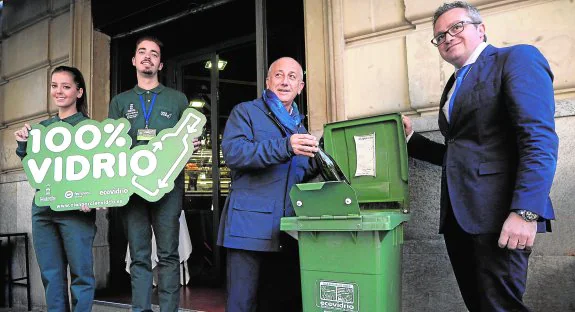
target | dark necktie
[{"x": 458, "y": 80}]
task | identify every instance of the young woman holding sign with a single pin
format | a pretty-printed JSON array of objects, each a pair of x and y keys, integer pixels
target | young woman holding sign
[{"x": 64, "y": 238}]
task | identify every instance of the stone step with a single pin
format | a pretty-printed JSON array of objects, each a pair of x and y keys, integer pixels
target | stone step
[
  {"x": 99, "y": 306},
  {"x": 104, "y": 306}
]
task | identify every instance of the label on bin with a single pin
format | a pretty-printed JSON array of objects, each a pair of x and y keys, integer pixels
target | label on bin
[
  {"x": 337, "y": 296},
  {"x": 365, "y": 151}
]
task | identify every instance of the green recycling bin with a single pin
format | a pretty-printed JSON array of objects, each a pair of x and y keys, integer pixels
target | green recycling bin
[{"x": 351, "y": 236}]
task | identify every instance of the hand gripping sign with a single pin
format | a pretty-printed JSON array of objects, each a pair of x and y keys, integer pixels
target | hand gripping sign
[{"x": 92, "y": 164}]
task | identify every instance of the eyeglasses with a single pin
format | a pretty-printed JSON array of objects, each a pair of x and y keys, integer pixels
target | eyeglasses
[{"x": 453, "y": 30}]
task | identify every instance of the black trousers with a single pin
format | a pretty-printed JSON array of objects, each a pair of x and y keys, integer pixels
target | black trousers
[
  {"x": 264, "y": 281},
  {"x": 490, "y": 278}
]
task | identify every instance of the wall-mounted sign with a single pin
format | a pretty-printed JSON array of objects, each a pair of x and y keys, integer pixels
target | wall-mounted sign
[{"x": 92, "y": 163}]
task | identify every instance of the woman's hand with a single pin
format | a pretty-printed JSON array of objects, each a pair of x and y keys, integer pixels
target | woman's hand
[
  {"x": 85, "y": 208},
  {"x": 22, "y": 134}
]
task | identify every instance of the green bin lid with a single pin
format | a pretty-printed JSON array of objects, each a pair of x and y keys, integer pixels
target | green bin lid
[
  {"x": 318, "y": 199},
  {"x": 372, "y": 153}
]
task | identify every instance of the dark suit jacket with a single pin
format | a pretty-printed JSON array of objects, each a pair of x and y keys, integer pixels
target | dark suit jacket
[{"x": 500, "y": 149}]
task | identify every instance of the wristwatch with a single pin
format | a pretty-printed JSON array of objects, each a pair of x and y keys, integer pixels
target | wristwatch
[{"x": 527, "y": 215}]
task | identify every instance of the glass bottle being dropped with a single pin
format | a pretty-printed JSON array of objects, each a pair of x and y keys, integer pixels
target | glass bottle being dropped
[{"x": 327, "y": 166}]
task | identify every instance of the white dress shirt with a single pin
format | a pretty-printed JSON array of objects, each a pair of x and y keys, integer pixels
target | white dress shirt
[{"x": 472, "y": 58}]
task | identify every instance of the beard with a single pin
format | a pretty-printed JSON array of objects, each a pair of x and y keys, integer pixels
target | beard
[{"x": 148, "y": 72}]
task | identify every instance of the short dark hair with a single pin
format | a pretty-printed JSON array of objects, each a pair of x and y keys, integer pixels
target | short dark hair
[
  {"x": 472, "y": 12},
  {"x": 81, "y": 103},
  {"x": 149, "y": 38}
]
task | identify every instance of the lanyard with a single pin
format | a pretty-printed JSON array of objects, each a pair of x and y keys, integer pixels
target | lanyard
[{"x": 147, "y": 113}]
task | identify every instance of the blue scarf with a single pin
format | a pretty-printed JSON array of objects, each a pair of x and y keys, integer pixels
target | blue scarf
[{"x": 290, "y": 122}]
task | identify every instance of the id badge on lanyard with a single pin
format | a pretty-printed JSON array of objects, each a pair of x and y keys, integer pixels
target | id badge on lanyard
[{"x": 147, "y": 134}]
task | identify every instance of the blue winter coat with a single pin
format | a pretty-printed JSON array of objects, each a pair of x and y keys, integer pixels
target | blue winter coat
[{"x": 263, "y": 170}]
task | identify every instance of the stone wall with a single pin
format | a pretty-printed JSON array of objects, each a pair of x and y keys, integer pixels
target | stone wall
[
  {"x": 39, "y": 35},
  {"x": 378, "y": 59}
]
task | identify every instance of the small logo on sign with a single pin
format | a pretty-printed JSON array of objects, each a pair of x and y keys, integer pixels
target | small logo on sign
[{"x": 68, "y": 194}]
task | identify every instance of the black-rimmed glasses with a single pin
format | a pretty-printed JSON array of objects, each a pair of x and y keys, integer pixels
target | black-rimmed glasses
[{"x": 453, "y": 30}]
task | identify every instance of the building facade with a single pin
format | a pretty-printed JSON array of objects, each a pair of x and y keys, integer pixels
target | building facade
[{"x": 362, "y": 58}]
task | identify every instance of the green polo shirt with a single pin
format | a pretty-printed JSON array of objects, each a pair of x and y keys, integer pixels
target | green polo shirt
[
  {"x": 166, "y": 112},
  {"x": 72, "y": 119}
]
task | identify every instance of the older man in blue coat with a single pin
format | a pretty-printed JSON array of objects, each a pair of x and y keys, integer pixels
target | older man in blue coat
[
  {"x": 268, "y": 151},
  {"x": 498, "y": 159}
]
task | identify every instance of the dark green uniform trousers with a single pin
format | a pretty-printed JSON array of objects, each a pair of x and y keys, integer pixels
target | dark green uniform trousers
[
  {"x": 64, "y": 239},
  {"x": 139, "y": 218}
]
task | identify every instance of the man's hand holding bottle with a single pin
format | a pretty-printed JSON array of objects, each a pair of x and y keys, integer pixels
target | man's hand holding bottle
[{"x": 304, "y": 144}]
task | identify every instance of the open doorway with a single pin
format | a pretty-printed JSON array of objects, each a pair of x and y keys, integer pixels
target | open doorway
[{"x": 197, "y": 33}]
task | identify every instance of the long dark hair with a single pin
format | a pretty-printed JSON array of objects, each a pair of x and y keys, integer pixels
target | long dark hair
[{"x": 81, "y": 103}]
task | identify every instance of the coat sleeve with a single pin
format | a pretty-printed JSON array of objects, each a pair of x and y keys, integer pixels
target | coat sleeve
[
  {"x": 21, "y": 149},
  {"x": 422, "y": 148},
  {"x": 528, "y": 88},
  {"x": 241, "y": 150}
]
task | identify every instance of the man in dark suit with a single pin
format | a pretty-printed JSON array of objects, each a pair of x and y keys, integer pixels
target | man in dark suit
[{"x": 498, "y": 159}]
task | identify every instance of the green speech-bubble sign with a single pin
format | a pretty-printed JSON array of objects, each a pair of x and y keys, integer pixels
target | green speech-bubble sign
[{"x": 92, "y": 164}]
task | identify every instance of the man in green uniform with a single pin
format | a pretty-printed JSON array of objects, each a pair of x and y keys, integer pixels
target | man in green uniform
[{"x": 151, "y": 107}]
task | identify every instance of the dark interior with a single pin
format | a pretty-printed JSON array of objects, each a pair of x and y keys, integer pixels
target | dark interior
[
  {"x": 226, "y": 26},
  {"x": 194, "y": 32}
]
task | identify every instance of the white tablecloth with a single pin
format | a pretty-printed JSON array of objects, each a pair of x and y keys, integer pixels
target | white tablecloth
[{"x": 184, "y": 249}]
